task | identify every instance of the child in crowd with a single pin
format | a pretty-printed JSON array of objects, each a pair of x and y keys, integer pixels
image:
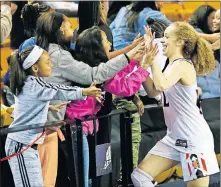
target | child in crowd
[
  {"x": 29, "y": 16},
  {"x": 32, "y": 97},
  {"x": 210, "y": 83},
  {"x": 92, "y": 47}
]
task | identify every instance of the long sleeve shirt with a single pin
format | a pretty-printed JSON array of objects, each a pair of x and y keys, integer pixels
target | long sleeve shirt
[
  {"x": 210, "y": 84},
  {"x": 31, "y": 106},
  {"x": 66, "y": 70},
  {"x": 6, "y": 22}
]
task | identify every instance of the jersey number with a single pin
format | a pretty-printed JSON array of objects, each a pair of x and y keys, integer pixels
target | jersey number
[{"x": 165, "y": 103}]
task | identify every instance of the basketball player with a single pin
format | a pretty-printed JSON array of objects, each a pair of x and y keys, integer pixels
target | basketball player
[{"x": 187, "y": 131}]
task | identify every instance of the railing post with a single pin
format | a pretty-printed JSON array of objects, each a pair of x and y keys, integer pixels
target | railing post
[
  {"x": 72, "y": 149},
  {"x": 129, "y": 121},
  {"x": 80, "y": 153},
  {"x": 109, "y": 140},
  {"x": 92, "y": 148},
  {"x": 1, "y": 136},
  {"x": 126, "y": 148}
]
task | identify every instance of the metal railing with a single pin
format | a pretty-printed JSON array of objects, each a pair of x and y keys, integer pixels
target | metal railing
[{"x": 75, "y": 146}]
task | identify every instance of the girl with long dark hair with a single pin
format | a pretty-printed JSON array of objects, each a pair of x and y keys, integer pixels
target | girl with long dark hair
[
  {"x": 94, "y": 13},
  {"x": 92, "y": 47},
  {"x": 202, "y": 21}
]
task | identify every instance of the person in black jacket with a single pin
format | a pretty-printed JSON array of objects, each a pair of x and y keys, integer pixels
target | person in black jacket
[{"x": 17, "y": 33}]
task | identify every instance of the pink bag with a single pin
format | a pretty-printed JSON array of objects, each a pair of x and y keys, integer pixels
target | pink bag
[
  {"x": 82, "y": 109},
  {"x": 127, "y": 81}
]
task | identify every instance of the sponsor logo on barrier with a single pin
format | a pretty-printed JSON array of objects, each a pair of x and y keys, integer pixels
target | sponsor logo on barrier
[{"x": 103, "y": 159}]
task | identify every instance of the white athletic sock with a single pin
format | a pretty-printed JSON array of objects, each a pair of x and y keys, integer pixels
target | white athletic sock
[{"x": 141, "y": 179}]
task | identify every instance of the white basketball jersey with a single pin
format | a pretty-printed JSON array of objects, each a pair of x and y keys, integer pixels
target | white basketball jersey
[{"x": 187, "y": 128}]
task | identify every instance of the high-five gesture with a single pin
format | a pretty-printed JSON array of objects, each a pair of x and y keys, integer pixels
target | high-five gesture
[
  {"x": 138, "y": 39},
  {"x": 137, "y": 52},
  {"x": 148, "y": 37},
  {"x": 151, "y": 48},
  {"x": 150, "y": 56}
]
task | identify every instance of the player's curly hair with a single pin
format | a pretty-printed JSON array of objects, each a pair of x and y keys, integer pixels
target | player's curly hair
[{"x": 195, "y": 48}]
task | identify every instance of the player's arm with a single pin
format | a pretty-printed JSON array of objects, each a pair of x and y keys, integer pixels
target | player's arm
[{"x": 173, "y": 75}]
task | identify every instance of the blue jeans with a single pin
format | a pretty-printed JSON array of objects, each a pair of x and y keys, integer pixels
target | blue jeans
[{"x": 87, "y": 182}]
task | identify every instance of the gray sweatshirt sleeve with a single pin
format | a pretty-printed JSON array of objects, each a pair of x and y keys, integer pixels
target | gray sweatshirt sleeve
[
  {"x": 82, "y": 73},
  {"x": 46, "y": 91}
]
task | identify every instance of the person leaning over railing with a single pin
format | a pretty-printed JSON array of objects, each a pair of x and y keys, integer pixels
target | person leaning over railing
[
  {"x": 66, "y": 69},
  {"x": 32, "y": 99},
  {"x": 97, "y": 10},
  {"x": 92, "y": 47}
]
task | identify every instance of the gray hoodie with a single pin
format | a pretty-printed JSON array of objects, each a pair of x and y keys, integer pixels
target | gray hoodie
[
  {"x": 31, "y": 106},
  {"x": 67, "y": 70}
]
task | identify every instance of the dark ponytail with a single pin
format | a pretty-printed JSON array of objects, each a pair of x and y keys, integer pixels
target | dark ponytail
[
  {"x": 48, "y": 31},
  {"x": 157, "y": 26},
  {"x": 30, "y": 14},
  {"x": 17, "y": 74}
]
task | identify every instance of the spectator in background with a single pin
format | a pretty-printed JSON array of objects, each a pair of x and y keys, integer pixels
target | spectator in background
[
  {"x": 130, "y": 21},
  {"x": 114, "y": 7},
  {"x": 17, "y": 33},
  {"x": 202, "y": 21},
  {"x": 210, "y": 84},
  {"x": 6, "y": 20},
  {"x": 30, "y": 14},
  {"x": 216, "y": 29},
  {"x": 216, "y": 22}
]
